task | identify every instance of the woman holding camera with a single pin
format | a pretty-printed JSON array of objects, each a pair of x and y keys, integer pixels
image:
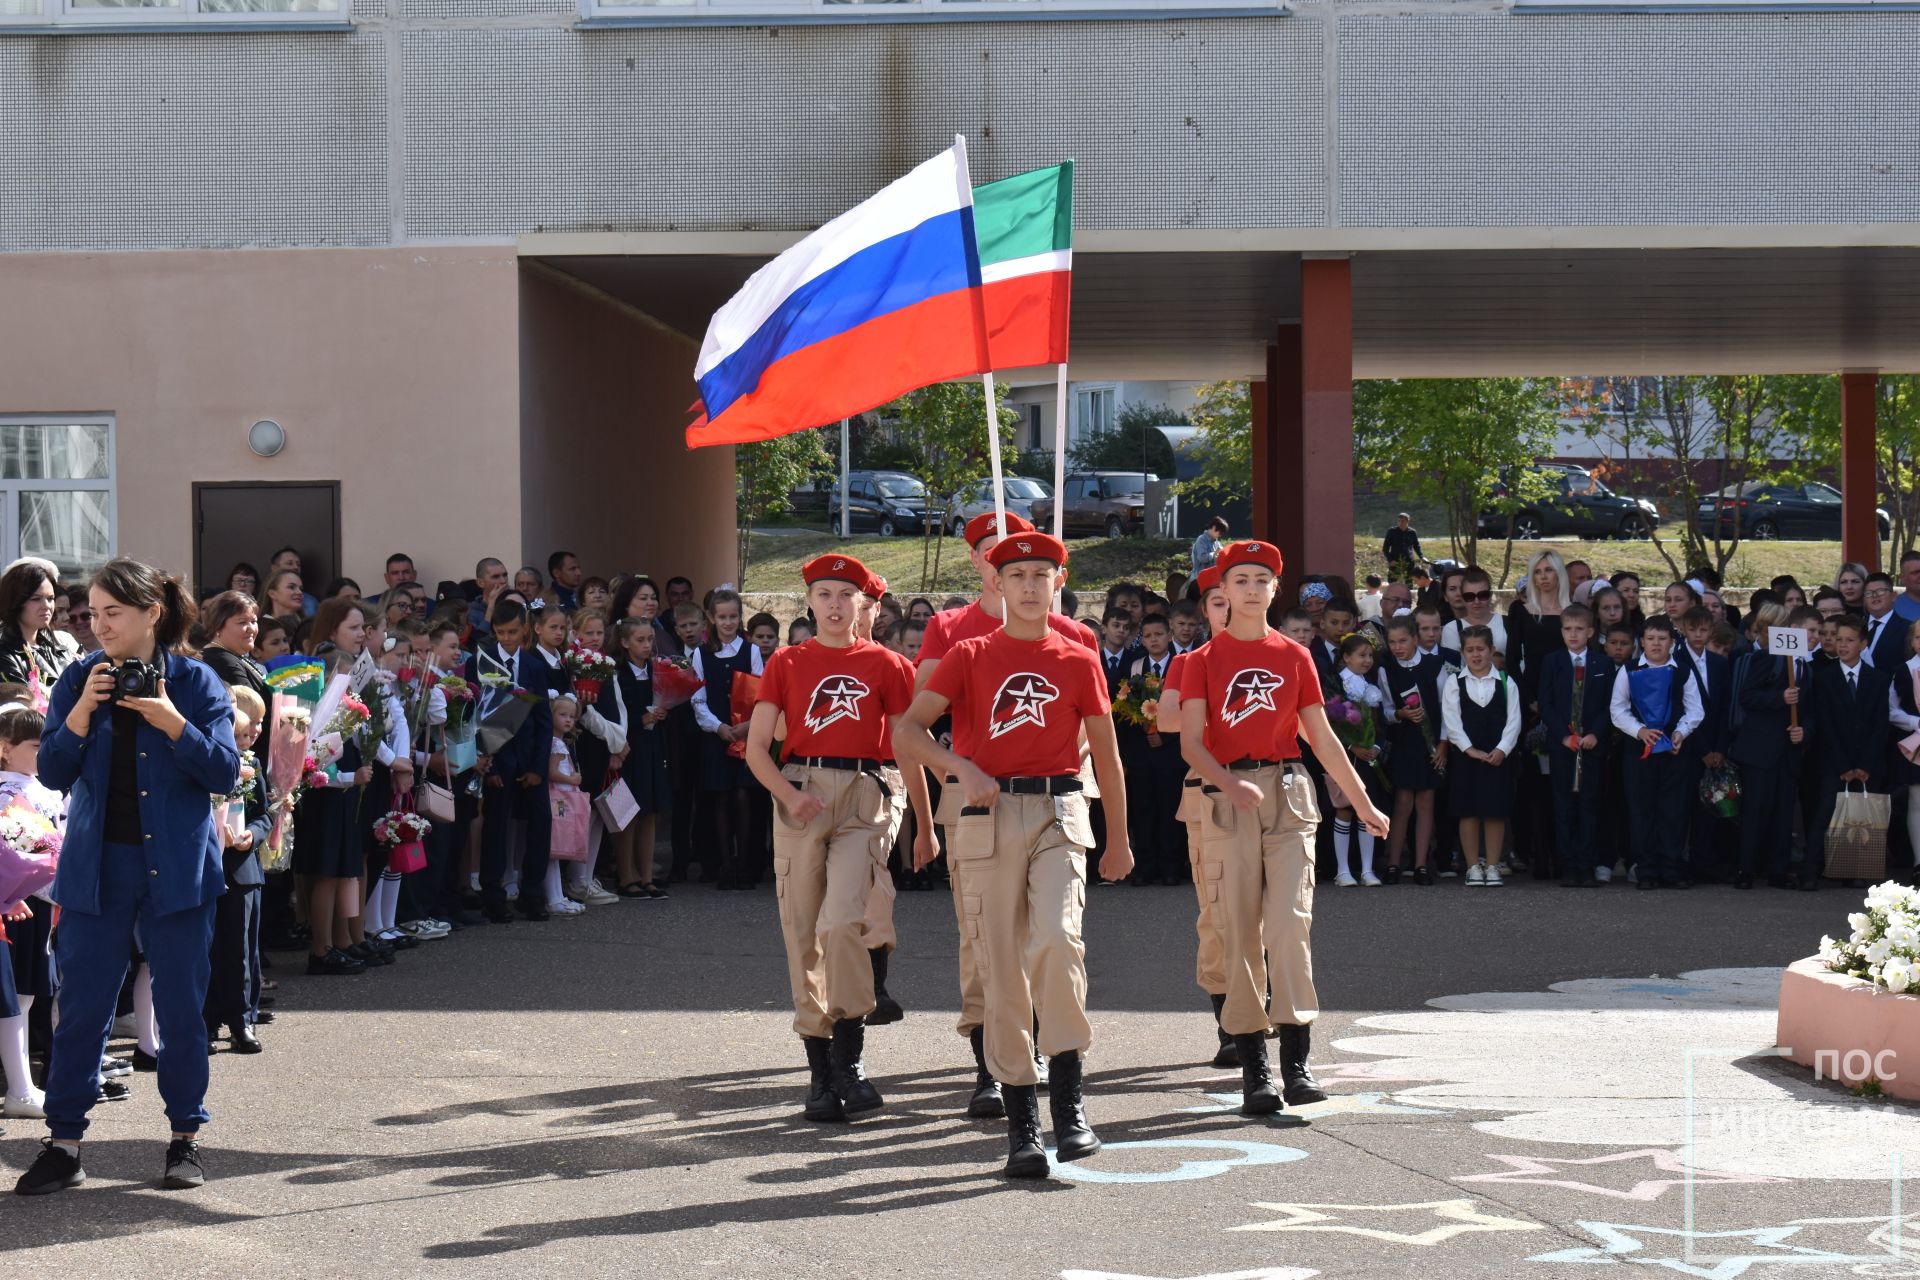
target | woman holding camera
[{"x": 140, "y": 736}]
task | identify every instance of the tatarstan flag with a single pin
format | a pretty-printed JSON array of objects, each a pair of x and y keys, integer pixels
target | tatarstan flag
[{"x": 1024, "y": 226}]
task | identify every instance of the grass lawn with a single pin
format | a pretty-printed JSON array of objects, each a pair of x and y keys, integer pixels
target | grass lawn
[{"x": 1098, "y": 563}]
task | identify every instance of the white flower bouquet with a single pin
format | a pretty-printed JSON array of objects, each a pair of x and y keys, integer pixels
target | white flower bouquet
[{"x": 1884, "y": 947}]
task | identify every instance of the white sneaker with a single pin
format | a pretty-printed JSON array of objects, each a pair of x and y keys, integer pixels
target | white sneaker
[
  {"x": 25, "y": 1106},
  {"x": 566, "y": 907},
  {"x": 1477, "y": 874},
  {"x": 1492, "y": 879},
  {"x": 1603, "y": 874},
  {"x": 1345, "y": 881},
  {"x": 597, "y": 894},
  {"x": 1369, "y": 879}
]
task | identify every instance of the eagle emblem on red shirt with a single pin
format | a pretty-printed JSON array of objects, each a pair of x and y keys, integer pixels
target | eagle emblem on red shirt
[
  {"x": 1022, "y": 700},
  {"x": 835, "y": 699},
  {"x": 1249, "y": 691}
]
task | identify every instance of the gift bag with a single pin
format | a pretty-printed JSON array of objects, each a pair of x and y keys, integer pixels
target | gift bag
[
  {"x": 570, "y": 819},
  {"x": 1857, "y": 836},
  {"x": 615, "y": 803},
  {"x": 463, "y": 752}
]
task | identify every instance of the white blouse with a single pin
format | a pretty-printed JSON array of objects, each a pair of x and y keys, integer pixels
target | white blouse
[
  {"x": 702, "y": 714},
  {"x": 1481, "y": 690}
]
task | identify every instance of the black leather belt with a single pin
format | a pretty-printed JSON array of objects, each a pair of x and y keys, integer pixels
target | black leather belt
[
  {"x": 851, "y": 764},
  {"x": 1241, "y": 766},
  {"x": 1065, "y": 785}
]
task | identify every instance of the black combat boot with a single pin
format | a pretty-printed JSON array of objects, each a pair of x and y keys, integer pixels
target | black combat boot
[
  {"x": 1026, "y": 1153},
  {"x": 885, "y": 1008},
  {"x": 821, "y": 1104},
  {"x": 1073, "y": 1137},
  {"x": 1296, "y": 1042},
  {"x": 850, "y": 1085},
  {"x": 1226, "y": 1055},
  {"x": 986, "y": 1103},
  {"x": 1258, "y": 1096}
]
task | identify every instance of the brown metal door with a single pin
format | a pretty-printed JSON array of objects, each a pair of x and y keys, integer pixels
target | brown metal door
[{"x": 236, "y": 522}]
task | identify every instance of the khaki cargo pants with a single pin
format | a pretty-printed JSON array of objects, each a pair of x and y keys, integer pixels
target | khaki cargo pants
[
  {"x": 973, "y": 996},
  {"x": 877, "y": 932},
  {"x": 1258, "y": 869},
  {"x": 824, "y": 873},
  {"x": 1210, "y": 961},
  {"x": 1022, "y": 879}
]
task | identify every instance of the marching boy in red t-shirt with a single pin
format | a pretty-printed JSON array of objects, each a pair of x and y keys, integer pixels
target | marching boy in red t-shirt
[
  {"x": 837, "y": 815},
  {"x": 1246, "y": 698},
  {"x": 1021, "y": 696}
]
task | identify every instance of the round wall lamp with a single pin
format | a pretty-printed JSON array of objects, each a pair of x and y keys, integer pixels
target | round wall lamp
[{"x": 266, "y": 437}]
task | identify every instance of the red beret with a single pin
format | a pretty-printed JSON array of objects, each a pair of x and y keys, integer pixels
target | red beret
[
  {"x": 1208, "y": 579},
  {"x": 1026, "y": 545},
  {"x": 1264, "y": 554},
  {"x": 982, "y": 527},
  {"x": 839, "y": 568},
  {"x": 875, "y": 586}
]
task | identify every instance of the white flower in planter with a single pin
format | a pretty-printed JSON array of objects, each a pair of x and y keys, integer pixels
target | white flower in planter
[{"x": 1897, "y": 974}]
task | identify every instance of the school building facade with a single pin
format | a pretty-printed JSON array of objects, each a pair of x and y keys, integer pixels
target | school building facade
[{"x": 430, "y": 275}]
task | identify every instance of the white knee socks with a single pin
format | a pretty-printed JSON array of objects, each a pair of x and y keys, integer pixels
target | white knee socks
[
  {"x": 1347, "y": 832},
  {"x": 146, "y": 1034},
  {"x": 553, "y": 882},
  {"x": 13, "y": 1053},
  {"x": 1342, "y": 842},
  {"x": 1366, "y": 849},
  {"x": 383, "y": 902}
]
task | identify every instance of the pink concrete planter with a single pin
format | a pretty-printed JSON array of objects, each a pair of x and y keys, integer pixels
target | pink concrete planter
[{"x": 1849, "y": 1029}]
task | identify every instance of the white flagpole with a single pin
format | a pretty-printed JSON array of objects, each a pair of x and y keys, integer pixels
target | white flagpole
[
  {"x": 1060, "y": 449},
  {"x": 993, "y": 455},
  {"x": 846, "y": 485}
]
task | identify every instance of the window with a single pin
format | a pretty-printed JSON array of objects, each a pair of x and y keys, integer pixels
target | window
[
  {"x": 1035, "y": 440},
  {"x": 56, "y": 491},
  {"x": 615, "y": 13},
  {"x": 1092, "y": 411},
  {"x": 83, "y": 15},
  {"x": 1825, "y": 495}
]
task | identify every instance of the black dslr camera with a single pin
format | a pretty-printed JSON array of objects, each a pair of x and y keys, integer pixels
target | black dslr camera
[{"x": 134, "y": 679}]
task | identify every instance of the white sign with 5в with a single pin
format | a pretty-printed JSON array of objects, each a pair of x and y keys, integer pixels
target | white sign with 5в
[{"x": 1787, "y": 642}]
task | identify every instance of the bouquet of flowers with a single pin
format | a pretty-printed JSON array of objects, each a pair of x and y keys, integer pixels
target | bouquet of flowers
[
  {"x": 29, "y": 852},
  {"x": 674, "y": 682},
  {"x": 1412, "y": 701},
  {"x": 401, "y": 826},
  {"x": 403, "y": 832},
  {"x": 1138, "y": 705},
  {"x": 1884, "y": 945},
  {"x": 1355, "y": 725},
  {"x": 348, "y": 718},
  {"x": 590, "y": 670},
  {"x": 1720, "y": 788},
  {"x": 462, "y": 752}
]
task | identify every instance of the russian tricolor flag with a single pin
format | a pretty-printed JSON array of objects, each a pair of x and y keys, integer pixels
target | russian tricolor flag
[{"x": 883, "y": 300}]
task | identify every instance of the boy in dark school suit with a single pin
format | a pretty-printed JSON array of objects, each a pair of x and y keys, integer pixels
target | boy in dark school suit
[
  {"x": 1770, "y": 750},
  {"x": 516, "y": 776},
  {"x": 1576, "y": 735},
  {"x": 1709, "y": 836},
  {"x": 1155, "y": 771},
  {"x": 1855, "y": 706}
]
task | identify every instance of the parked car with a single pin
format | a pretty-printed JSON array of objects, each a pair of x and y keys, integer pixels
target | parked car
[
  {"x": 1022, "y": 492},
  {"x": 1108, "y": 502},
  {"x": 1766, "y": 509},
  {"x": 882, "y": 502},
  {"x": 1575, "y": 504}
]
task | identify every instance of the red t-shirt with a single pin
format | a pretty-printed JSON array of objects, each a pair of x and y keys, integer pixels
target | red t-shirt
[
  {"x": 1018, "y": 704},
  {"x": 1254, "y": 691},
  {"x": 837, "y": 700},
  {"x": 949, "y": 628}
]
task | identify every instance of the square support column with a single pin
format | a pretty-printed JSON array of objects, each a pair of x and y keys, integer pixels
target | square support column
[
  {"x": 1859, "y": 468},
  {"x": 1322, "y": 488}
]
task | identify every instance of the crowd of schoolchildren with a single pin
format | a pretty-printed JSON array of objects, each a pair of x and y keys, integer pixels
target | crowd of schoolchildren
[{"x": 1585, "y": 733}]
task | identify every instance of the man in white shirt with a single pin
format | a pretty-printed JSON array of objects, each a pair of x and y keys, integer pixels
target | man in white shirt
[{"x": 1656, "y": 778}]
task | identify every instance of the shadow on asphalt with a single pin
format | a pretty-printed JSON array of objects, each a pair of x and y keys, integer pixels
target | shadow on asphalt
[{"x": 920, "y": 1152}]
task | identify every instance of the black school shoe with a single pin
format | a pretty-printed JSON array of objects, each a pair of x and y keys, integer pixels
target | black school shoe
[
  {"x": 113, "y": 1091},
  {"x": 144, "y": 1061},
  {"x": 183, "y": 1166},
  {"x": 52, "y": 1170}
]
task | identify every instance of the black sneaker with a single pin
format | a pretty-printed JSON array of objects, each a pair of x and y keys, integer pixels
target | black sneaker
[
  {"x": 113, "y": 1091},
  {"x": 52, "y": 1170},
  {"x": 183, "y": 1166},
  {"x": 655, "y": 891}
]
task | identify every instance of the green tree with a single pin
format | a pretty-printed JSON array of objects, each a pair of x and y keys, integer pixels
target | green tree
[
  {"x": 941, "y": 431},
  {"x": 1131, "y": 443},
  {"x": 1447, "y": 441},
  {"x": 1223, "y": 411},
  {"x": 1813, "y": 405},
  {"x": 768, "y": 471}
]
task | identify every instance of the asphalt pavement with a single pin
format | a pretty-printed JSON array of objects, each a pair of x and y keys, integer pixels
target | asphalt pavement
[{"x": 618, "y": 1093}]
